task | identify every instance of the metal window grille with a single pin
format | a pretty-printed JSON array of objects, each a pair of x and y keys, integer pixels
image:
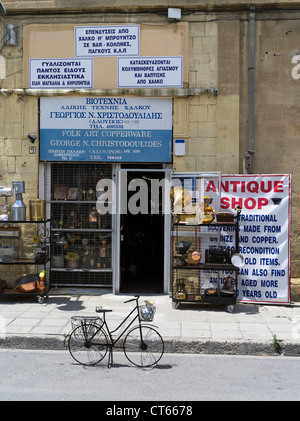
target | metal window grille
[{"x": 81, "y": 238}]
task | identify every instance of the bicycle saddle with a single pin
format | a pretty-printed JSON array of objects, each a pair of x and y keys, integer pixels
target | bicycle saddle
[{"x": 101, "y": 310}]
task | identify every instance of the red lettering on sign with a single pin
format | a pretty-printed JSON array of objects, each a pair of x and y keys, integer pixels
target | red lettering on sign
[
  {"x": 211, "y": 187},
  {"x": 247, "y": 203},
  {"x": 278, "y": 186}
]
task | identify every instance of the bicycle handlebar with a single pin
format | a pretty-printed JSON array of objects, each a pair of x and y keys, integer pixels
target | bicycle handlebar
[{"x": 132, "y": 299}]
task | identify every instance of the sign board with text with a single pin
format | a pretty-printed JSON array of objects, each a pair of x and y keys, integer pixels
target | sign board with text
[
  {"x": 107, "y": 41},
  {"x": 60, "y": 73},
  {"x": 264, "y": 239},
  {"x": 111, "y": 129},
  {"x": 150, "y": 72}
]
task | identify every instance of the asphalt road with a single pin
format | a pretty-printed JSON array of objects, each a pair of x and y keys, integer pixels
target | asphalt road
[{"x": 32, "y": 375}]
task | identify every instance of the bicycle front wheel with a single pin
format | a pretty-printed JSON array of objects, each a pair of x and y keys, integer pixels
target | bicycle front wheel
[
  {"x": 143, "y": 346},
  {"x": 88, "y": 344}
]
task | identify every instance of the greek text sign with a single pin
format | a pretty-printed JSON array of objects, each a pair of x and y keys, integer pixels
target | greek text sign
[
  {"x": 106, "y": 129},
  {"x": 150, "y": 72},
  {"x": 60, "y": 73},
  {"x": 104, "y": 41},
  {"x": 264, "y": 234}
]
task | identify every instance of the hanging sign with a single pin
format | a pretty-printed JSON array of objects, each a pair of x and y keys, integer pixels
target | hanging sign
[
  {"x": 106, "y": 41},
  {"x": 60, "y": 73},
  {"x": 150, "y": 72},
  {"x": 264, "y": 234},
  {"x": 107, "y": 129}
]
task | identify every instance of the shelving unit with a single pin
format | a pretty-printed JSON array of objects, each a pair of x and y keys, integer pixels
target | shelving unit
[
  {"x": 12, "y": 292},
  {"x": 212, "y": 278}
]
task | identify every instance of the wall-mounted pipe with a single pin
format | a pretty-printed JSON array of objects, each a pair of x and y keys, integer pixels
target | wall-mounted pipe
[{"x": 248, "y": 169}]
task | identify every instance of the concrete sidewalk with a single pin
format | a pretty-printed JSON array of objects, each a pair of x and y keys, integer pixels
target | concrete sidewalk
[{"x": 250, "y": 329}]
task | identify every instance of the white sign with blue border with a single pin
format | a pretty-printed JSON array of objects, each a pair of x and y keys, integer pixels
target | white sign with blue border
[
  {"x": 150, "y": 72},
  {"x": 109, "y": 129},
  {"x": 107, "y": 41},
  {"x": 63, "y": 73}
]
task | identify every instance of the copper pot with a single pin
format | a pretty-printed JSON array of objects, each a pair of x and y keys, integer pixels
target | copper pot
[{"x": 194, "y": 257}]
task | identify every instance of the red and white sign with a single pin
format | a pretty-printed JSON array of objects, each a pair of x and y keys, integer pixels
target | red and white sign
[{"x": 265, "y": 201}]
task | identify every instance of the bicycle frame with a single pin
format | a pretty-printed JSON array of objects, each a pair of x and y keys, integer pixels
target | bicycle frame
[
  {"x": 91, "y": 337},
  {"x": 110, "y": 333}
]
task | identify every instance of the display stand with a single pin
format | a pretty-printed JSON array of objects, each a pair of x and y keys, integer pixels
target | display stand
[
  {"x": 202, "y": 269},
  {"x": 13, "y": 292}
]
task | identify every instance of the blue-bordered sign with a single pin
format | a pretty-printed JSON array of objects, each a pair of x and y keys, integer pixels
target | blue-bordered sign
[{"x": 109, "y": 129}]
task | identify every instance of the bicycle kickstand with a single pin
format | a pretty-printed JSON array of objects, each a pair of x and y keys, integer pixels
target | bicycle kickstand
[{"x": 110, "y": 357}]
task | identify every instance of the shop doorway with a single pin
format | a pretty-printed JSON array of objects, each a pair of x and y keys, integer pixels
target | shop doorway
[{"x": 142, "y": 235}]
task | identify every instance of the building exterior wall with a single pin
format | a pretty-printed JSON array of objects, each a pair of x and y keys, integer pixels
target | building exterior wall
[
  {"x": 215, "y": 41},
  {"x": 276, "y": 115}
]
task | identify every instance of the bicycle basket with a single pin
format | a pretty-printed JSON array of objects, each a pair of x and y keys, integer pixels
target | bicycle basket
[
  {"x": 147, "y": 312},
  {"x": 84, "y": 320}
]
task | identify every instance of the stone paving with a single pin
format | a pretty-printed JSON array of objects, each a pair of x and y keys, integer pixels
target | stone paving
[{"x": 190, "y": 328}]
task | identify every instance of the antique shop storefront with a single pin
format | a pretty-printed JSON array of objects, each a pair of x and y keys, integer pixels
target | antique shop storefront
[
  {"x": 104, "y": 150},
  {"x": 99, "y": 105}
]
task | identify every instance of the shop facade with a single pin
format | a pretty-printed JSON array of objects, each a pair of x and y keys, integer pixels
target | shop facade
[
  {"x": 130, "y": 95},
  {"x": 100, "y": 236},
  {"x": 121, "y": 138}
]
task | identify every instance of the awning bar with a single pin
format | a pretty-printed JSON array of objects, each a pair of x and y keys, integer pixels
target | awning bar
[{"x": 168, "y": 92}]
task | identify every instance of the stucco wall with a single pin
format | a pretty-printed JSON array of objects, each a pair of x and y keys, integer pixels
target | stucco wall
[
  {"x": 215, "y": 127},
  {"x": 277, "y": 105}
]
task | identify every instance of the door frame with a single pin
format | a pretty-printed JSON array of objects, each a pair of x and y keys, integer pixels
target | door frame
[{"x": 117, "y": 237}]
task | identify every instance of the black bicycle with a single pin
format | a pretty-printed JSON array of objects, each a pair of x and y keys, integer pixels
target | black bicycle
[{"x": 91, "y": 338}]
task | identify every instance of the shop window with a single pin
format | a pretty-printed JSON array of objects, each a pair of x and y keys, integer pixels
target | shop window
[{"x": 81, "y": 238}]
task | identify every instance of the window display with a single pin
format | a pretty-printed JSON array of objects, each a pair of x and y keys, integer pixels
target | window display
[{"x": 81, "y": 238}]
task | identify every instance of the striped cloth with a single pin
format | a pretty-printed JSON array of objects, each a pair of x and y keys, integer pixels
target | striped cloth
[{"x": 161, "y": 92}]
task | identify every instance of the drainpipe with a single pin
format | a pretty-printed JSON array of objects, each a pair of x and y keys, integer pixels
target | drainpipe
[{"x": 248, "y": 168}]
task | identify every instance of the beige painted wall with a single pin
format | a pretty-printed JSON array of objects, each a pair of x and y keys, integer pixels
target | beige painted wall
[
  {"x": 277, "y": 106},
  {"x": 57, "y": 41}
]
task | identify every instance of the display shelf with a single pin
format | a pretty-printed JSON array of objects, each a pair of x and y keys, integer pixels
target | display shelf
[
  {"x": 13, "y": 292},
  {"x": 80, "y": 230},
  {"x": 211, "y": 278},
  {"x": 207, "y": 266},
  {"x": 82, "y": 270},
  {"x": 25, "y": 222},
  {"x": 19, "y": 261}
]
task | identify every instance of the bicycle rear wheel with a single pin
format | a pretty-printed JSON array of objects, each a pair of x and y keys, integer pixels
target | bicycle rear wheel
[
  {"x": 143, "y": 346},
  {"x": 88, "y": 344}
]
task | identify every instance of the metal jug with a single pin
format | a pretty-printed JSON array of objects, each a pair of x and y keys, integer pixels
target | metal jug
[{"x": 18, "y": 209}]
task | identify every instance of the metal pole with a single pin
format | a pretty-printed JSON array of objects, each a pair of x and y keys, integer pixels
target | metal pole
[{"x": 250, "y": 153}]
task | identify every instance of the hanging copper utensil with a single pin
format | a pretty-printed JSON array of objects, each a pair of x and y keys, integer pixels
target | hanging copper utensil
[{"x": 194, "y": 257}]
